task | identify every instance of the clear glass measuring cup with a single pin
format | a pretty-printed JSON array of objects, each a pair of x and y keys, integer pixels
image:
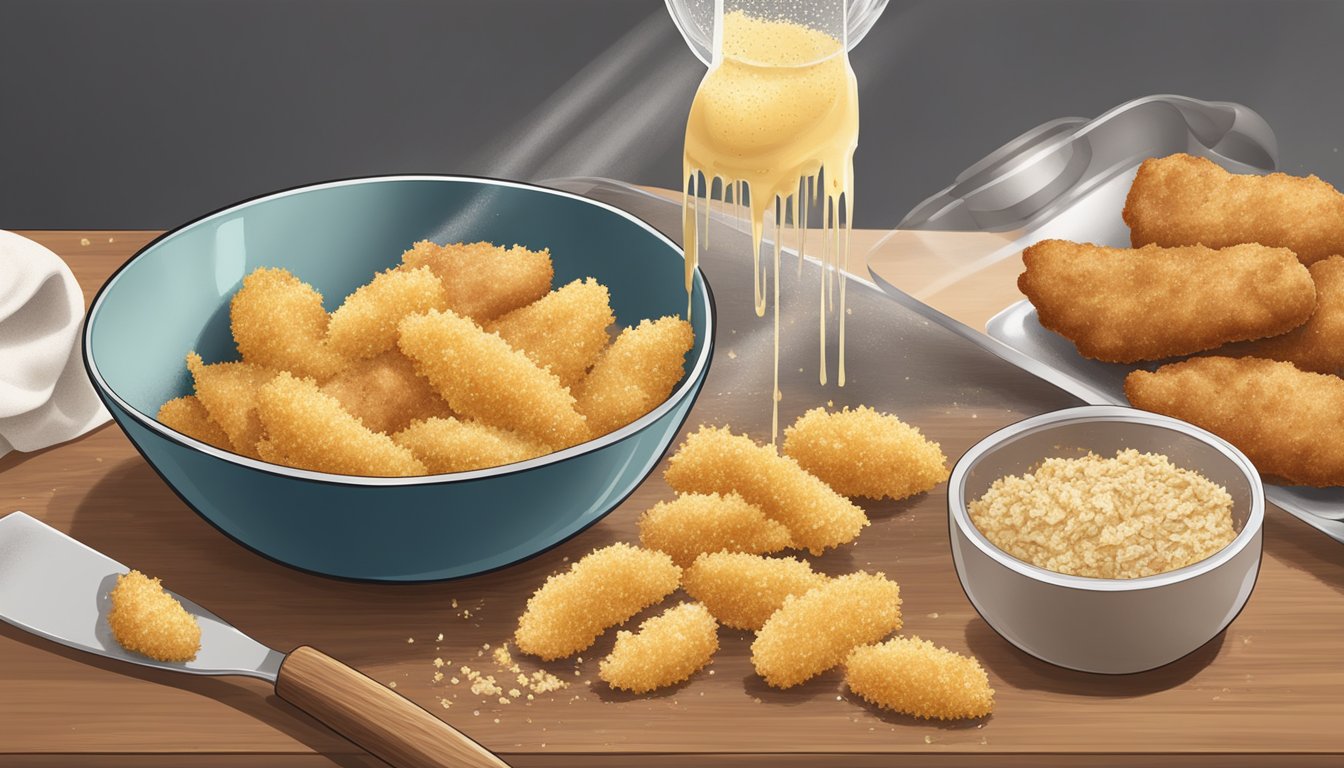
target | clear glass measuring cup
[{"x": 695, "y": 20}]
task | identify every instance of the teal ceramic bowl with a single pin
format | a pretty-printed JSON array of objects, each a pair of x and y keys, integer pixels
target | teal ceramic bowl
[{"x": 173, "y": 297}]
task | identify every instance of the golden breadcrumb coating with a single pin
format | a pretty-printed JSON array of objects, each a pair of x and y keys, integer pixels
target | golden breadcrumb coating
[
  {"x": 714, "y": 460},
  {"x": 861, "y": 452},
  {"x": 279, "y": 322},
  {"x": 1287, "y": 421},
  {"x": 188, "y": 416},
  {"x": 1186, "y": 200},
  {"x": 366, "y": 324},
  {"x": 917, "y": 678},
  {"x": 608, "y": 586},
  {"x": 1122, "y": 306},
  {"x": 311, "y": 431},
  {"x": 483, "y": 378},
  {"x": 564, "y": 331},
  {"x": 668, "y": 649},
  {"x": 229, "y": 393},
  {"x": 815, "y": 631},
  {"x": 695, "y": 523},
  {"x": 385, "y": 392},
  {"x": 1123, "y": 518},
  {"x": 744, "y": 590},
  {"x": 636, "y": 373},
  {"x": 145, "y": 619},
  {"x": 450, "y": 445},
  {"x": 484, "y": 280},
  {"x": 1317, "y": 346}
]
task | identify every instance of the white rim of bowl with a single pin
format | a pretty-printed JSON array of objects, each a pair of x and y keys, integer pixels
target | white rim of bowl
[
  {"x": 956, "y": 496},
  {"x": 697, "y": 370}
]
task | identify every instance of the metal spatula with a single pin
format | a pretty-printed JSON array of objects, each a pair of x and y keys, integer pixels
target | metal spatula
[{"x": 54, "y": 586}]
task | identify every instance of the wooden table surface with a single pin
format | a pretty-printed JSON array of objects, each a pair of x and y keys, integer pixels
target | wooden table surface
[{"x": 1268, "y": 691}]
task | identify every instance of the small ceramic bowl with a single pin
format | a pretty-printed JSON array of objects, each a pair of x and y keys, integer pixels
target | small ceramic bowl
[{"x": 1110, "y": 626}]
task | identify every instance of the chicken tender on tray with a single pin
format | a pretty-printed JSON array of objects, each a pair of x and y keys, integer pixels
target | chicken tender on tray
[
  {"x": 860, "y": 452},
  {"x": 451, "y": 445},
  {"x": 482, "y": 377},
  {"x": 636, "y": 373},
  {"x": 229, "y": 393},
  {"x": 188, "y": 416},
  {"x": 608, "y": 586},
  {"x": 667, "y": 650},
  {"x": 307, "y": 429},
  {"x": 366, "y": 324},
  {"x": 714, "y": 460},
  {"x": 145, "y": 619},
  {"x": 695, "y": 523},
  {"x": 1121, "y": 306},
  {"x": 279, "y": 322},
  {"x": 1287, "y": 421},
  {"x": 563, "y": 331},
  {"x": 744, "y": 590},
  {"x": 1185, "y": 200},
  {"x": 385, "y": 393},
  {"x": 483, "y": 280},
  {"x": 917, "y": 678},
  {"x": 1318, "y": 345}
]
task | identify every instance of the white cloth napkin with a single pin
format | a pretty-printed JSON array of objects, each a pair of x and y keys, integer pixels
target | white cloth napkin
[{"x": 45, "y": 395}]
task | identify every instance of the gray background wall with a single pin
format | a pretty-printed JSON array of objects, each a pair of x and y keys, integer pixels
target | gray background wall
[{"x": 144, "y": 113}]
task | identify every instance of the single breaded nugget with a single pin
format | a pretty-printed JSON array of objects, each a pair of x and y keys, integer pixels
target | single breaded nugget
[
  {"x": 1185, "y": 200},
  {"x": 278, "y": 322},
  {"x": 668, "y": 649},
  {"x": 743, "y": 590},
  {"x": 636, "y": 373},
  {"x": 695, "y": 523},
  {"x": 366, "y": 324},
  {"x": 482, "y": 377},
  {"x": 1287, "y": 421},
  {"x": 815, "y": 631},
  {"x": 484, "y": 280},
  {"x": 1121, "y": 305},
  {"x": 188, "y": 416},
  {"x": 608, "y": 586},
  {"x": 229, "y": 393},
  {"x": 714, "y": 460},
  {"x": 311, "y": 431},
  {"x": 564, "y": 331},
  {"x": 1319, "y": 344},
  {"x": 861, "y": 452},
  {"x": 385, "y": 392},
  {"x": 449, "y": 445},
  {"x": 145, "y": 619},
  {"x": 916, "y": 677}
]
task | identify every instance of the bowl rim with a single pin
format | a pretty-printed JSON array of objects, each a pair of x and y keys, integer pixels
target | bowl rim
[
  {"x": 960, "y": 515},
  {"x": 688, "y": 384}
]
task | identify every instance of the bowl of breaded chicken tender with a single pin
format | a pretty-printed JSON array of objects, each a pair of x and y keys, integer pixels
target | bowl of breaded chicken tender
[{"x": 403, "y": 378}]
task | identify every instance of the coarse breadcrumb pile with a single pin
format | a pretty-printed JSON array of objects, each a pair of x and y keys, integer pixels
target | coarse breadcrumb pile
[
  {"x": 1126, "y": 517},
  {"x": 668, "y": 649},
  {"x": 695, "y": 523},
  {"x": 563, "y": 331},
  {"x": 743, "y": 590},
  {"x": 915, "y": 677},
  {"x": 860, "y": 452},
  {"x": 145, "y": 619}
]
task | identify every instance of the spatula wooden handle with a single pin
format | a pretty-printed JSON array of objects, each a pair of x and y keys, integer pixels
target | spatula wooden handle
[{"x": 373, "y": 716}]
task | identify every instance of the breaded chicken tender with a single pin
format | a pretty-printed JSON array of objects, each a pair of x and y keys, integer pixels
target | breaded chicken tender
[
  {"x": 714, "y": 460},
  {"x": 917, "y": 678},
  {"x": 1287, "y": 421},
  {"x": 366, "y": 324},
  {"x": 861, "y": 452},
  {"x": 188, "y": 416},
  {"x": 385, "y": 393},
  {"x": 1318, "y": 345},
  {"x": 606, "y": 587},
  {"x": 636, "y": 373},
  {"x": 814, "y": 632},
  {"x": 563, "y": 331},
  {"x": 668, "y": 649},
  {"x": 310, "y": 430},
  {"x": 1121, "y": 306},
  {"x": 279, "y": 322},
  {"x": 450, "y": 445},
  {"x": 145, "y": 619},
  {"x": 1185, "y": 200},
  {"x": 743, "y": 590},
  {"x": 483, "y": 378},
  {"x": 695, "y": 523},
  {"x": 229, "y": 393},
  {"x": 484, "y": 280}
]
